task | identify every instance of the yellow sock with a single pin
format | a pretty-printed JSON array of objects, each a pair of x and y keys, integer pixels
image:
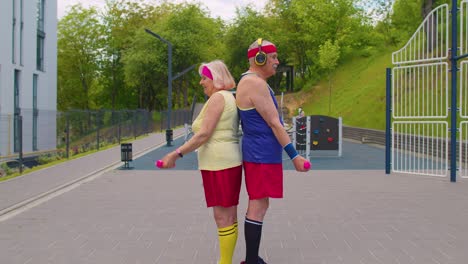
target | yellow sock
[{"x": 227, "y": 242}]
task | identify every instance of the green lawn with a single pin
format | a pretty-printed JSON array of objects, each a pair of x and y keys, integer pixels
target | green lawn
[{"x": 358, "y": 92}]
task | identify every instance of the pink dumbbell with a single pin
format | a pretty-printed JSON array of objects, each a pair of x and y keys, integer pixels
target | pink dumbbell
[
  {"x": 159, "y": 163},
  {"x": 307, "y": 165}
]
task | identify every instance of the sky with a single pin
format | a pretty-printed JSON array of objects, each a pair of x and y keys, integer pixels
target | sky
[{"x": 218, "y": 8}]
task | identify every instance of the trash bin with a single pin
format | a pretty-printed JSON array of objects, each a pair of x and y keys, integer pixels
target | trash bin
[{"x": 126, "y": 152}]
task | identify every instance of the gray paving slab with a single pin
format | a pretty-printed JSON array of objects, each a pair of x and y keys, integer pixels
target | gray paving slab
[
  {"x": 30, "y": 185},
  {"x": 159, "y": 216},
  {"x": 146, "y": 215}
]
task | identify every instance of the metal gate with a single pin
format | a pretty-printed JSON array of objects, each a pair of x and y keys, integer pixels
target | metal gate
[
  {"x": 463, "y": 136},
  {"x": 422, "y": 115}
]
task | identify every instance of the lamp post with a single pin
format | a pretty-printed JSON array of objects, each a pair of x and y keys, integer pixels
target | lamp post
[{"x": 169, "y": 84}]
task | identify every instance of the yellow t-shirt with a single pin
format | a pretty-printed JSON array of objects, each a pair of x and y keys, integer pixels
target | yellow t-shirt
[{"x": 222, "y": 150}]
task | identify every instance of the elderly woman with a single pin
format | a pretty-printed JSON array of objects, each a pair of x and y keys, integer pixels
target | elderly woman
[{"x": 219, "y": 158}]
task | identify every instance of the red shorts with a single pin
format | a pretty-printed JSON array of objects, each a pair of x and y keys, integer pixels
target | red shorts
[
  {"x": 263, "y": 180},
  {"x": 222, "y": 187}
]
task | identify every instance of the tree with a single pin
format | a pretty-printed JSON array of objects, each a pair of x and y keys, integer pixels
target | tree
[
  {"x": 107, "y": 60},
  {"x": 120, "y": 19},
  {"x": 380, "y": 12},
  {"x": 79, "y": 43},
  {"x": 406, "y": 18},
  {"x": 195, "y": 38},
  {"x": 329, "y": 53},
  {"x": 305, "y": 24},
  {"x": 240, "y": 35}
]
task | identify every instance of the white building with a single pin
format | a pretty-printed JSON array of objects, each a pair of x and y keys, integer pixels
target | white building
[{"x": 28, "y": 75}]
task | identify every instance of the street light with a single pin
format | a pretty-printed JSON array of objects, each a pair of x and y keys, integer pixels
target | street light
[{"x": 169, "y": 84}]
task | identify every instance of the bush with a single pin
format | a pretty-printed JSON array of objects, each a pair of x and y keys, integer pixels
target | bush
[
  {"x": 366, "y": 52},
  {"x": 5, "y": 170},
  {"x": 47, "y": 158}
]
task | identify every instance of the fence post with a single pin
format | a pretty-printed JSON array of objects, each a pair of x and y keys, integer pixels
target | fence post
[
  {"x": 67, "y": 131},
  {"x": 147, "y": 122},
  {"x": 388, "y": 116},
  {"x": 97, "y": 128},
  {"x": 340, "y": 133},
  {"x": 20, "y": 143},
  {"x": 134, "y": 122},
  {"x": 454, "y": 70},
  {"x": 161, "y": 125},
  {"x": 119, "y": 118},
  {"x": 9, "y": 134}
]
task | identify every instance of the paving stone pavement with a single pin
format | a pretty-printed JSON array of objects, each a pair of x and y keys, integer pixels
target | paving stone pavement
[
  {"x": 32, "y": 185},
  {"x": 159, "y": 216}
]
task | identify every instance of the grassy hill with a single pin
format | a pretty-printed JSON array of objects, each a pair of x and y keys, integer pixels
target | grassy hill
[{"x": 358, "y": 92}]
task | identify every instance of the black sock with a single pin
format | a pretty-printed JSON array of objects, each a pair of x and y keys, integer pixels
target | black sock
[{"x": 253, "y": 234}]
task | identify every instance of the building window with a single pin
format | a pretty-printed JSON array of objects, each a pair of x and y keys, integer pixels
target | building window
[
  {"x": 40, "y": 35},
  {"x": 40, "y": 14},
  {"x": 21, "y": 33},
  {"x": 35, "y": 113},
  {"x": 16, "y": 87},
  {"x": 17, "y": 111},
  {"x": 40, "y": 51}
]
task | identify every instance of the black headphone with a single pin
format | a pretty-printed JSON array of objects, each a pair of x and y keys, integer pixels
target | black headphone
[{"x": 261, "y": 57}]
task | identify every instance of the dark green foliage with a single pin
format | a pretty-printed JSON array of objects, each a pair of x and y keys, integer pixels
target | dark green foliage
[{"x": 107, "y": 60}]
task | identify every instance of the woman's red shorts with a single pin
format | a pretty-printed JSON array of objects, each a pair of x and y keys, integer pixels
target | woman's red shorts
[{"x": 222, "y": 187}]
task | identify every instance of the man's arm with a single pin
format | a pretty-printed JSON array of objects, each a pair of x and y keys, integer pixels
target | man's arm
[{"x": 261, "y": 99}]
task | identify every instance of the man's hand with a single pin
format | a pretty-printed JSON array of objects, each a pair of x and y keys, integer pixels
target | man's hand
[{"x": 299, "y": 163}]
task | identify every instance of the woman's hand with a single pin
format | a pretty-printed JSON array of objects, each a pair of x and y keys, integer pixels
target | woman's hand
[{"x": 169, "y": 160}]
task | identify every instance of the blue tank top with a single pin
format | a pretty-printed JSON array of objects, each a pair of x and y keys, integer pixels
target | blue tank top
[{"x": 259, "y": 144}]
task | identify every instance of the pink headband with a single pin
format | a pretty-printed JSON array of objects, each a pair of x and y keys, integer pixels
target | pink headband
[
  {"x": 205, "y": 71},
  {"x": 267, "y": 49}
]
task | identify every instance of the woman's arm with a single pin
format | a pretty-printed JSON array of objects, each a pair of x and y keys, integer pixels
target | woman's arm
[{"x": 213, "y": 111}]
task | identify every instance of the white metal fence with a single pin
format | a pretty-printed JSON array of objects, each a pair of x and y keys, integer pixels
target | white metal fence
[
  {"x": 463, "y": 27},
  {"x": 464, "y": 89},
  {"x": 463, "y": 146},
  {"x": 420, "y": 91},
  {"x": 430, "y": 42},
  {"x": 463, "y": 150},
  {"x": 420, "y": 147},
  {"x": 463, "y": 103},
  {"x": 420, "y": 99}
]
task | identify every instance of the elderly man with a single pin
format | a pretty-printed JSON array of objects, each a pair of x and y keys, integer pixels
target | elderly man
[{"x": 264, "y": 139}]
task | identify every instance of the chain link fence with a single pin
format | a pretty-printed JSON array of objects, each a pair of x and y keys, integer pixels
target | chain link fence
[{"x": 32, "y": 133}]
